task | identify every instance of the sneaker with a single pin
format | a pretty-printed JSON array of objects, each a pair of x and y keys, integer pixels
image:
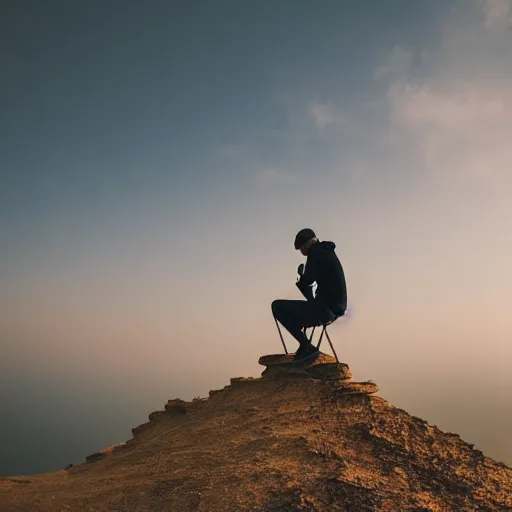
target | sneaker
[
  {"x": 309, "y": 352},
  {"x": 312, "y": 350},
  {"x": 301, "y": 352}
]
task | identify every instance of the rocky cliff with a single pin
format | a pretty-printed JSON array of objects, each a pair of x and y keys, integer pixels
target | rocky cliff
[{"x": 283, "y": 442}]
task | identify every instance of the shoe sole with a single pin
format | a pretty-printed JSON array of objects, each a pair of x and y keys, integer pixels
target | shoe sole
[{"x": 306, "y": 359}]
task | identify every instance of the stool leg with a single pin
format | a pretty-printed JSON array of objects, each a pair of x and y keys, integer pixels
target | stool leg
[
  {"x": 321, "y": 336},
  {"x": 311, "y": 336},
  {"x": 281, "y": 336},
  {"x": 332, "y": 347}
]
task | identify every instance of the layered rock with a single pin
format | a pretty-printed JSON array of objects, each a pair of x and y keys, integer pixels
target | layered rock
[
  {"x": 282, "y": 442},
  {"x": 324, "y": 367}
]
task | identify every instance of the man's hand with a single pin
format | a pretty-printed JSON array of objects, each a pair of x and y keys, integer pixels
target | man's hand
[{"x": 306, "y": 290}]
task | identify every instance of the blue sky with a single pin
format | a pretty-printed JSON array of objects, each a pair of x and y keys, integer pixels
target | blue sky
[{"x": 157, "y": 160}]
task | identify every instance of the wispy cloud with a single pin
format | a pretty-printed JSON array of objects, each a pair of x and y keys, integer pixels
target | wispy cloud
[
  {"x": 498, "y": 12},
  {"x": 328, "y": 115},
  {"x": 272, "y": 176},
  {"x": 455, "y": 106},
  {"x": 323, "y": 114},
  {"x": 397, "y": 63},
  {"x": 229, "y": 151}
]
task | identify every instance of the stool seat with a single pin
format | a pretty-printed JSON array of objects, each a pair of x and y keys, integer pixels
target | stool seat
[
  {"x": 324, "y": 330},
  {"x": 324, "y": 326}
]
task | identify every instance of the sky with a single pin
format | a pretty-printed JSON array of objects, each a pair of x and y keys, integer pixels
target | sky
[{"x": 158, "y": 158}]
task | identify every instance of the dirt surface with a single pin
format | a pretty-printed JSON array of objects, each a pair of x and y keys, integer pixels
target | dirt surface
[{"x": 279, "y": 443}]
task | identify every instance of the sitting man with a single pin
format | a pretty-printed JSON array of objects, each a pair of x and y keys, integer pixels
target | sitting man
[{"x": 330, "y": 300}]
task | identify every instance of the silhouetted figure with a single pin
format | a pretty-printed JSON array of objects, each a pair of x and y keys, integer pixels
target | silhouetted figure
[{"x": 330, "y": 299}]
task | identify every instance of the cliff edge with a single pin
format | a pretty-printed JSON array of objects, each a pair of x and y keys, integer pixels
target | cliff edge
[{"x": 282, "y": 442}]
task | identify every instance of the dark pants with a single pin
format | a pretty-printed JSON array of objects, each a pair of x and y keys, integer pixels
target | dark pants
[{"x": 294, "y": 315}]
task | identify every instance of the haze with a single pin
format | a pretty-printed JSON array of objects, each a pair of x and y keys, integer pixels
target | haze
[{"x": 157, "y": 159}]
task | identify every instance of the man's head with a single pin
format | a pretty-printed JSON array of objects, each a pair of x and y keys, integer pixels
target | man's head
[{"x": 304, "y": 239}]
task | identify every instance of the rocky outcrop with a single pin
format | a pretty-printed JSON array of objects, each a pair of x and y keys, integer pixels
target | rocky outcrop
[
  {"x": 106, "y": 452},
  {"x": 326, "y": 371},
  {"x": 282, "y": 442}
]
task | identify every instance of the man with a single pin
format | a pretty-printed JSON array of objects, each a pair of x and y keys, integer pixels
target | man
[{"x": 330, "y": 300}]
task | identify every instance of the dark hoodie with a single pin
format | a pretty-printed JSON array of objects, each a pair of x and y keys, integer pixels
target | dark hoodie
[{"x": 324, "y": 267}]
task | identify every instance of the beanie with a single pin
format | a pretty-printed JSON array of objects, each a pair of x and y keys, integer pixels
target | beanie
[{"x": 303, "y": 236}]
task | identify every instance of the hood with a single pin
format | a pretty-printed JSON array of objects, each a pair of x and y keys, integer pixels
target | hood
[
  {"x": 330, "y": 246},
  {"x": 323, "y": 246}
]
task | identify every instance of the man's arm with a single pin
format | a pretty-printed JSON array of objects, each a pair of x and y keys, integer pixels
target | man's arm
[
  {"x": 306, "y": 290},
  {"x": 306, "y": 280},
  {"x": 309, "y": 276}
]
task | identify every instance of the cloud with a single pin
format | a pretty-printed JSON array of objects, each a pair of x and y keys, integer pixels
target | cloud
[
  {"x": 329, "y": 115},
  {"x": 323, "y": 114},
  {"x": 272, "y": 176},
  {"x": 454, "y": 108},
  {"x": 232, "y": 151},
  {"x": 397, "y": 63},
  {"x": 498, "y": 12}
]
